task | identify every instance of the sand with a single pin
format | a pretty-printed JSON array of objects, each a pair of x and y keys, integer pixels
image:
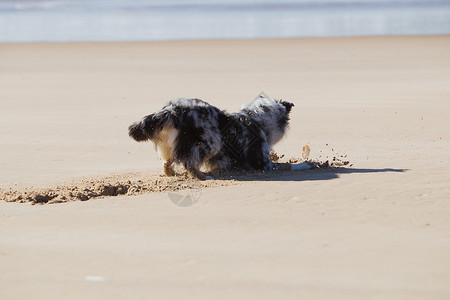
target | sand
[{"x": 377, "y": 228}]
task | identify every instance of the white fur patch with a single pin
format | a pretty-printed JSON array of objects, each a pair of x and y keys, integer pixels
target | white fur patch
[{"x": 165, "y": 143}]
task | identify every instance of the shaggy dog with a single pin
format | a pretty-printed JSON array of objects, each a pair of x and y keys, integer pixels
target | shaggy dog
[{"x": 200, "y": 137}]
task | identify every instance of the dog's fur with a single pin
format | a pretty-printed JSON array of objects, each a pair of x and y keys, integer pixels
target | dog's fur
[{"x": 201, "y": 137}]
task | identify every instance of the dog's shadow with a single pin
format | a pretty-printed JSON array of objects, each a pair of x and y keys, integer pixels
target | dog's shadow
[{"x": 304, "y": 175}]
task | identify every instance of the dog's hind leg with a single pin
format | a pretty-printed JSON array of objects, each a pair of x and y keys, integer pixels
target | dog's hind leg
[{"x": 168, "y": 169}]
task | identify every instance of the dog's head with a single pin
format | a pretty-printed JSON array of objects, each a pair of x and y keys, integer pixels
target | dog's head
[
  {"x": 287, "y": 105},
  {"x": 272, "y": 114}
]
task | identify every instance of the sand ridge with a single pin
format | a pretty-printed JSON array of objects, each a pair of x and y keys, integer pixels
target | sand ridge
[
  {"x": 136, "y": 183},
  {"x": 131, "y": 183}
]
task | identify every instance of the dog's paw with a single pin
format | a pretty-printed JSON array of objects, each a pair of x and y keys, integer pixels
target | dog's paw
[{"x": 209, "y": 177}]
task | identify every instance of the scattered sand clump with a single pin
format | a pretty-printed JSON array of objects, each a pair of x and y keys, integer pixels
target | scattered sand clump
[{"x": 330, "y": 161}]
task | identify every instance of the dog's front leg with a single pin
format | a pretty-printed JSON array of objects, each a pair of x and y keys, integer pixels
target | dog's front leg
[
  {"x": 197, "y": 174},
  {"x": 194, "y": 169}
]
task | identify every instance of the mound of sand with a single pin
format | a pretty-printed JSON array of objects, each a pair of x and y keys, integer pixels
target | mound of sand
[
  {"x": 134, "y": 183},
  {"x": 119, "y": 184}
]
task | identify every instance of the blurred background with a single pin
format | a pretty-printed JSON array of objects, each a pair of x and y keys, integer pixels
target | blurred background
[{"x": 157, "y": 20}]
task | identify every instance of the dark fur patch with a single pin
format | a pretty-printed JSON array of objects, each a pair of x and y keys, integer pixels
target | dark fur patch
[{"x": 136, "y": 132}]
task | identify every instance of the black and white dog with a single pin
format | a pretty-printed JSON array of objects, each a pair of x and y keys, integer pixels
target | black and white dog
[{"x": 202, "y": 138}]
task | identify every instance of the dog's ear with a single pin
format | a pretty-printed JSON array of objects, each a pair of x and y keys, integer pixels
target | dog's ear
[{"x": 288, "y": 105}]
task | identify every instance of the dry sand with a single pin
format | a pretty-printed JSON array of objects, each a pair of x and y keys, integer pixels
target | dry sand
[{"x": 379, "y": 229}]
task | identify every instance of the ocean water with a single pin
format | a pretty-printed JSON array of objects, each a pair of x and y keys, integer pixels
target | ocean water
[{"x": 150, "y": 20}]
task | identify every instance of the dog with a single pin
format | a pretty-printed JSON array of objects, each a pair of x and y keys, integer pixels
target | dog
[{"x": 202, "y": 138}]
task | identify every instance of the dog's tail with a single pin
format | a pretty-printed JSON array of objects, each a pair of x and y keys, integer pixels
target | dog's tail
[{"x": 148, "y": 127}]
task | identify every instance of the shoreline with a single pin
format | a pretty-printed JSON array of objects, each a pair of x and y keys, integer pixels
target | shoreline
[{"x": 231, "y": 39}]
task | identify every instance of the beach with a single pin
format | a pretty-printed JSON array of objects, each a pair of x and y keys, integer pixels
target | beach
[{"x": 376, "y": 228}]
